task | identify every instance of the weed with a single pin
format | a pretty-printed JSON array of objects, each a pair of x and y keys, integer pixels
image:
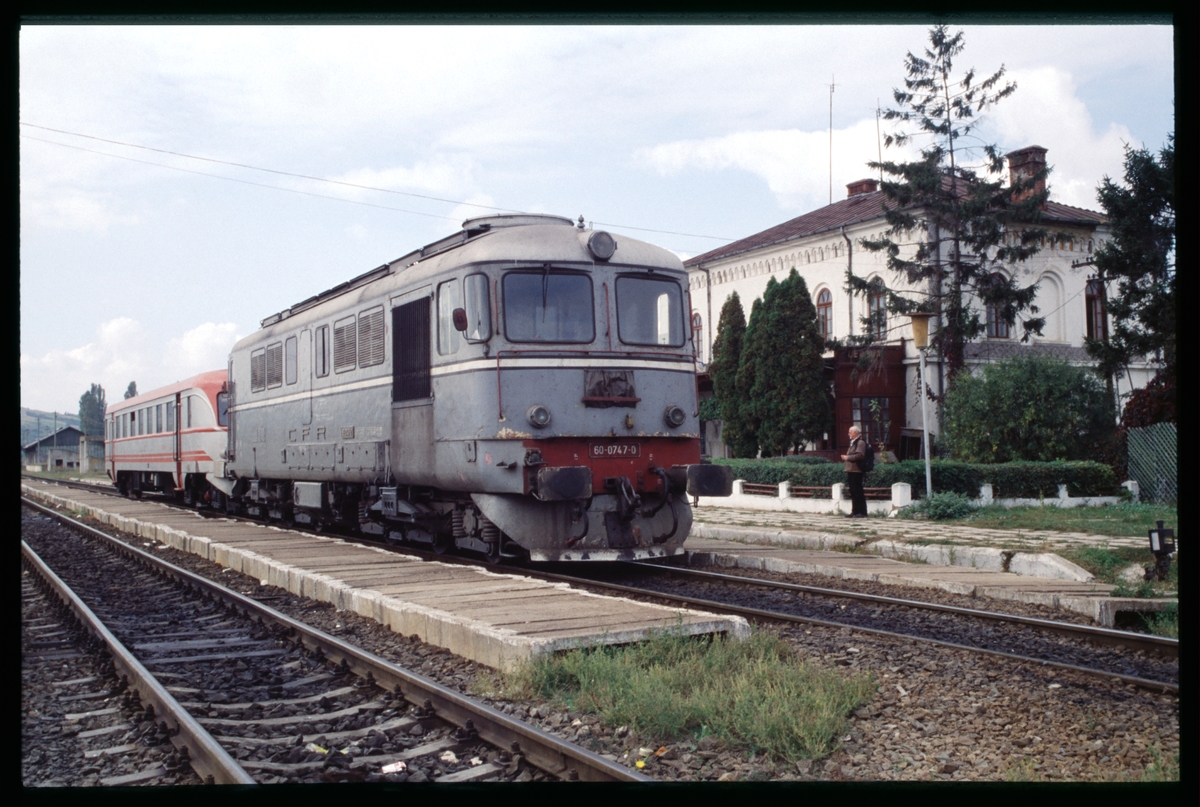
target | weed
[{"x": 756, "y": 693}]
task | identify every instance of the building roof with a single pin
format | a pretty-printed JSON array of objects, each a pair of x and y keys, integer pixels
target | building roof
[
  {"x": 50, "y": 437},
  {"x": 861, "y": 207}
]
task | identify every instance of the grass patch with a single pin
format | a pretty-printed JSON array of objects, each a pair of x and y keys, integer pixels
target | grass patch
[
  {"x": 1106, "y": 563},
  {"x": 758, "y": 693},
  {"x": 1122, "y": 519},
  {"x": 67, "y": 474},
  {"x": 1162, "y": 768}
]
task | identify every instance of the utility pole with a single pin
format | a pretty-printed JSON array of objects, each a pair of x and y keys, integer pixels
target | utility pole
[{"x": 831, "y": 86}]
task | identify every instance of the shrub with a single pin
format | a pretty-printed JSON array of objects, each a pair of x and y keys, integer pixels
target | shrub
[
  {"x": 1028, "y": 408},
  {"x": 940, "y": 507}
]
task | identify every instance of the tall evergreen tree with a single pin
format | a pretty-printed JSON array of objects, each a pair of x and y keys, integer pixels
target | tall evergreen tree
[
  {"x": 958, "y": 218},
  {"x": 91, "y": 411},
  {"x": 788, "y": 391},
  {"x": 755, "y": 340},
  {"x": 723, "y": 369},
  {"x": 1140, "y": 260},
  {"x": 131, "y": 390}
]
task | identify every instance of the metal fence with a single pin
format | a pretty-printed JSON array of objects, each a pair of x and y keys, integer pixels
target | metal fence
[{"x": 1152, "y": 455}]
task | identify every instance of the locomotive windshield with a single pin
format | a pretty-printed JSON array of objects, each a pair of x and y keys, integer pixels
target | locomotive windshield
[
  {"x": 649, "y": 311},
  {"x": 548, "y": 306}
]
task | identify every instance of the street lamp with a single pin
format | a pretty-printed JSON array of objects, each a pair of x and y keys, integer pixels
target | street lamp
[{"x": 920, "y": 327}]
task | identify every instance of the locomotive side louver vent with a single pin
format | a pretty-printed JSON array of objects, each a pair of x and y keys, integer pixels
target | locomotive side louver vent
[
  {"x": 344, "y": 355},
  {"x": 258, "y": 371},
  {"x": 275, "y": 364},
  {"x": 370, "y": 337}
]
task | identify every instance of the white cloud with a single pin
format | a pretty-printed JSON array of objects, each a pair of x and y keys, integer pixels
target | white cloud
[
  {"x": 793, "y": 163},
  {"x": 1046, "y": 111},
  {"x": 121, "y": 352}
]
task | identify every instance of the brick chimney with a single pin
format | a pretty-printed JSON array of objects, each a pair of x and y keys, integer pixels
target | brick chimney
[
  {"x": 861, "y": 186},
  {"x": 1023, "y": 164}
]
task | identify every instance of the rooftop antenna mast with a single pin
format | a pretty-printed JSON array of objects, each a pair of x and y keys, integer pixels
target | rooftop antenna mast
[
  {"x": 831, "y": 86},
  {"x": 878, "y": 141}
]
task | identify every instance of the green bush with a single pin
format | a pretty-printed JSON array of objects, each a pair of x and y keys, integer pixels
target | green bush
[
  {"x": 1025, "y": 480},
  {"x": 940, "y": 507},
  {"x": 1032, "y": 408}
]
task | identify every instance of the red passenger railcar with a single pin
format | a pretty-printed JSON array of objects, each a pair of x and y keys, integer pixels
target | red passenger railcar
[{"x": 170, "y": 440}]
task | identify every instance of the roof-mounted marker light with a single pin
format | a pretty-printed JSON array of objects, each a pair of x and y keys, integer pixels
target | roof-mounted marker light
[{"x": 601, "y": 245}]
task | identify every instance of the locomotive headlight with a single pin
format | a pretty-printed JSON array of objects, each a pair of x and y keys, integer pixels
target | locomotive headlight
[
  {"x": 601, "y": 245},
  {"x": 674, "y": 416},
  {"x": 538, "y": 416}
]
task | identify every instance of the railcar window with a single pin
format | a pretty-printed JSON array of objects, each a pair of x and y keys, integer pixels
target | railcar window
[
  {"x": 370, "y": 337},
  {"x": 322, "y": 352},
  {"x": 158, "y": 419},
  {"x": 289, "y": 359},
  {"x": 170, "y": 416},
  {"x": 649, "y": 311},
  {"x": 189, "y": 412},
  {"x": 275, "y": 365},
  {"x": 449, "y": 298},
  {"x": 223, "y": 409},
  {"x": 258, "y": 370},
  {"x": 548, "y": 307},
  {"x": 479, "y": 310},
  {"x": 344, "y": 356},
  {"x": 410, "y": 351}
]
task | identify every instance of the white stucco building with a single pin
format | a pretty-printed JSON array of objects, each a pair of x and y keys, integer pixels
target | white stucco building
[{"x": 826, "y": 243}]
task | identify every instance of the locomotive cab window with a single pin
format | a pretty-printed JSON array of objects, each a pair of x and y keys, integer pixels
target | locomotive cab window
[
  {"x": 449, "y": 297},
  {"x": 479, "y": 310},
  {"x": 548, "y": 306},
  {"x": 649, "y": 312}
]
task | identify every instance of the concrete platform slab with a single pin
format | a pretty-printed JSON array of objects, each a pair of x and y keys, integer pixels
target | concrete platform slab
[{"x": 492, "y": 618}]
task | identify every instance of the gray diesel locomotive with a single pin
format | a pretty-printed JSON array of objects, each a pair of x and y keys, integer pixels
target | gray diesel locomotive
[{"x": 523, "y": 388}]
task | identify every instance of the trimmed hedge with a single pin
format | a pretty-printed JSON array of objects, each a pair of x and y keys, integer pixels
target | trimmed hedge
[{"x": 1010, "y": 480}]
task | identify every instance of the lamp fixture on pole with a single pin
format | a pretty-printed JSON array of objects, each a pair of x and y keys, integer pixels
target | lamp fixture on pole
[{"x": 920, "y": 327}]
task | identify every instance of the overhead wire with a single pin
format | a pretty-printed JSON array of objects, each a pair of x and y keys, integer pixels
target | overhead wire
[{"x": 311, "y": 178}]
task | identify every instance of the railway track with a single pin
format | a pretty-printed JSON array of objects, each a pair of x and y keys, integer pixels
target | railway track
[
  {"x": 289, "y": 702},
  {"x": 1140, "y": 659},
  {"x": 1145, "y": 661}
]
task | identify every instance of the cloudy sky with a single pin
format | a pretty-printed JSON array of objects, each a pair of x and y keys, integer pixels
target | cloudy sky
[{"x": 179, "y": 184}]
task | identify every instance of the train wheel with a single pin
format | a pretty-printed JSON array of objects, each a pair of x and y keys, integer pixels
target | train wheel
[
  {"x": 442, "y": 542},
  {"x": 493, "y": 555}
]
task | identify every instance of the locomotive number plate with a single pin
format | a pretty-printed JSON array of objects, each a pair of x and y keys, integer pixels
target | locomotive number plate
[{"x": 599, "y": 451}]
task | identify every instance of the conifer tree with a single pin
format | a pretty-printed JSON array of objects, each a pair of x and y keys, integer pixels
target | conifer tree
[
  {"x": 788, "y": 390},
  {"x": 723, "y": 369},
  {"x": 1138, "y": 263},
  {"x": 91, "y": 411},
  {"x": 952, "y": 223},
  {"x": 755, "y": 340}
]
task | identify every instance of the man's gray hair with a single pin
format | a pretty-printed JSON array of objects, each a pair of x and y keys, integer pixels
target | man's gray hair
[{"x": 856, "y": 430}]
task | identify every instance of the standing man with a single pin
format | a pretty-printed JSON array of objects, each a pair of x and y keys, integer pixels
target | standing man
[{"x": 854, "y": 474}]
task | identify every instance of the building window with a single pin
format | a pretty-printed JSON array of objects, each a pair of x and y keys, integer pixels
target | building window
[
  {"x": 1097, "y": 311},
  {"x": 825, "y": 313},
  {"x": 873, "y": 417},
  {"x": 878, "y": 310},
  {"x": 997, "y": 328}
]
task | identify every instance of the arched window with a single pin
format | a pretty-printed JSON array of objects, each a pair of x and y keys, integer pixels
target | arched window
[
  {"x": 997, "y": 328},
  {"x": 825, "y": 313},
  {"x": 1097, "y": 311},
  {"x": 877, "y": 305}
]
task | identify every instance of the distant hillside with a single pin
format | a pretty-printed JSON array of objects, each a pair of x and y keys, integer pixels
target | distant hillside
[{"x": 29, "y": 423}]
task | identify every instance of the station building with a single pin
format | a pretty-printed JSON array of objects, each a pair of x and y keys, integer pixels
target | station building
[{"x": 825, "y": 244}]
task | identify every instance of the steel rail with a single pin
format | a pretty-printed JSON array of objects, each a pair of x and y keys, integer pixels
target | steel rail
[
  {"x": 774, "y": 616},
  {"x": 543, "y": 750},
  {"x": 1102, "y": 636},
  {"x": 204, "y": 753}
]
